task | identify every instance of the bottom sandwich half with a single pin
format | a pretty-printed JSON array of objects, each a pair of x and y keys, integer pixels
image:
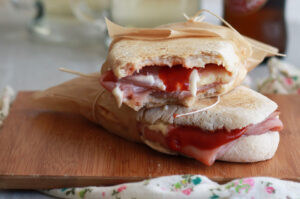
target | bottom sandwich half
[{"x": 242, "y": 127}]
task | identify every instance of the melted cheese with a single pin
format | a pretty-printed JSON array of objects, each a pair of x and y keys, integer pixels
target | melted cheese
[
  {"x": 118, "y": 95},
  {"x": 197, "y": 80},
  {"x": 193, "y": 82},
  {"x": 161, "y": 127},
  {"x": 147, "y": 79},
  {"x": 210, "y": 78},
  {"x": 160, "y": 85}
]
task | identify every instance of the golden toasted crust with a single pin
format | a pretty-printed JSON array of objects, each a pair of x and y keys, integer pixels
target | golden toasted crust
[
  {"x": 237, "y": 109},
  {"x": 127, "y": 56}
]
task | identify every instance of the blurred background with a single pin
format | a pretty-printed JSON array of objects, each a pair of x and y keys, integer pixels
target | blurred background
[{"x": 39, "y": 36}]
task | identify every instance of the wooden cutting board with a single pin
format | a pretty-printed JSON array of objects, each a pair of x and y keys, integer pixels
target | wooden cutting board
[{"x": 41, "y": 149}]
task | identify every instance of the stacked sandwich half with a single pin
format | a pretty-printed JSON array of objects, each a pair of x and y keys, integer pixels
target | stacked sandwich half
[
  {"x": 185, "y": 87},
  {"x": 176, "y": 88}
]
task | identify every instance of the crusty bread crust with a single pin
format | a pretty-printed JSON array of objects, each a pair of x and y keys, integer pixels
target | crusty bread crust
[
  {"x": 237, "y": 109},
  {"x": 127, "y": 56}
]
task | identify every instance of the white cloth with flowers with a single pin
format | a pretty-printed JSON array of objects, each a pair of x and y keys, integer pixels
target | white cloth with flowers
[
  {"x": 6, "y": 97},
  {"x": 187, "y": 186},
  {"x": 284, "y": 78}
]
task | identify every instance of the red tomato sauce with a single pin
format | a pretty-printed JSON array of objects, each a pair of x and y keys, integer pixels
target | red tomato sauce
[
  {"x": 182, "y": 136},
  {"x": 109, "y": 76},
  {"x": 177, "y": 78}
]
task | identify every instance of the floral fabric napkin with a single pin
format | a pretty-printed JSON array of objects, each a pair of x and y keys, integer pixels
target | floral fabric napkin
[
  {"x": 6, "y": 97},
  {"x": 187, "y": 186},
  {"x": 283, "y": 79}
]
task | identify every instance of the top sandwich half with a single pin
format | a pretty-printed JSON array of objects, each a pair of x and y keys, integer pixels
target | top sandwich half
[{"x": 177, "y": 63}]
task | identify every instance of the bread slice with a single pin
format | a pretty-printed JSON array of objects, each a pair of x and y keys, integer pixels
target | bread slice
[{"x": 127, "y": 56}]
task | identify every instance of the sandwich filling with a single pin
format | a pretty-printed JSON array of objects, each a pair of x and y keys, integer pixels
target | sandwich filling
[
  {"x": 177, "y": 83},
  {"x": 205, "y": 146}
]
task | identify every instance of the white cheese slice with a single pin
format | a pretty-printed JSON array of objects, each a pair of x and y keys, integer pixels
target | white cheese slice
[
  {"x": 160, "y": 85},
  {"x": 193, "y": 80},
  {"x": 146, "y": 79},
  {"x": 161, "y": 127},
  {"x": 118, "y": 95},
  {"x": 208, "y": 78},
  {"x": 149, "y": 80},
  {"x": 211, "y": 77}
]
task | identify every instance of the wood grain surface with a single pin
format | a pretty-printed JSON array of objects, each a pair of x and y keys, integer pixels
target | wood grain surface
[{"x": 40, "y": 149}]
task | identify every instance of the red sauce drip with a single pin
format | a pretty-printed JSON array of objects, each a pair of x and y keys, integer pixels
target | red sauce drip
[
  {"x": 277, "y": 128},
  {"x": 213, "y": 68},
  {"x": 182, "y": 136},
  {"x": 175, "y": 78},
  {"x": 109, "y": 76}
]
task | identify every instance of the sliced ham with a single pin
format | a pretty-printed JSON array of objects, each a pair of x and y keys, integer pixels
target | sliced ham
[
  {"x": 163, "y": 82},
  {"x": 207, "y": 157},
  {"x": 205, "y": 146},
  {"x": 272, "y": 123}
]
